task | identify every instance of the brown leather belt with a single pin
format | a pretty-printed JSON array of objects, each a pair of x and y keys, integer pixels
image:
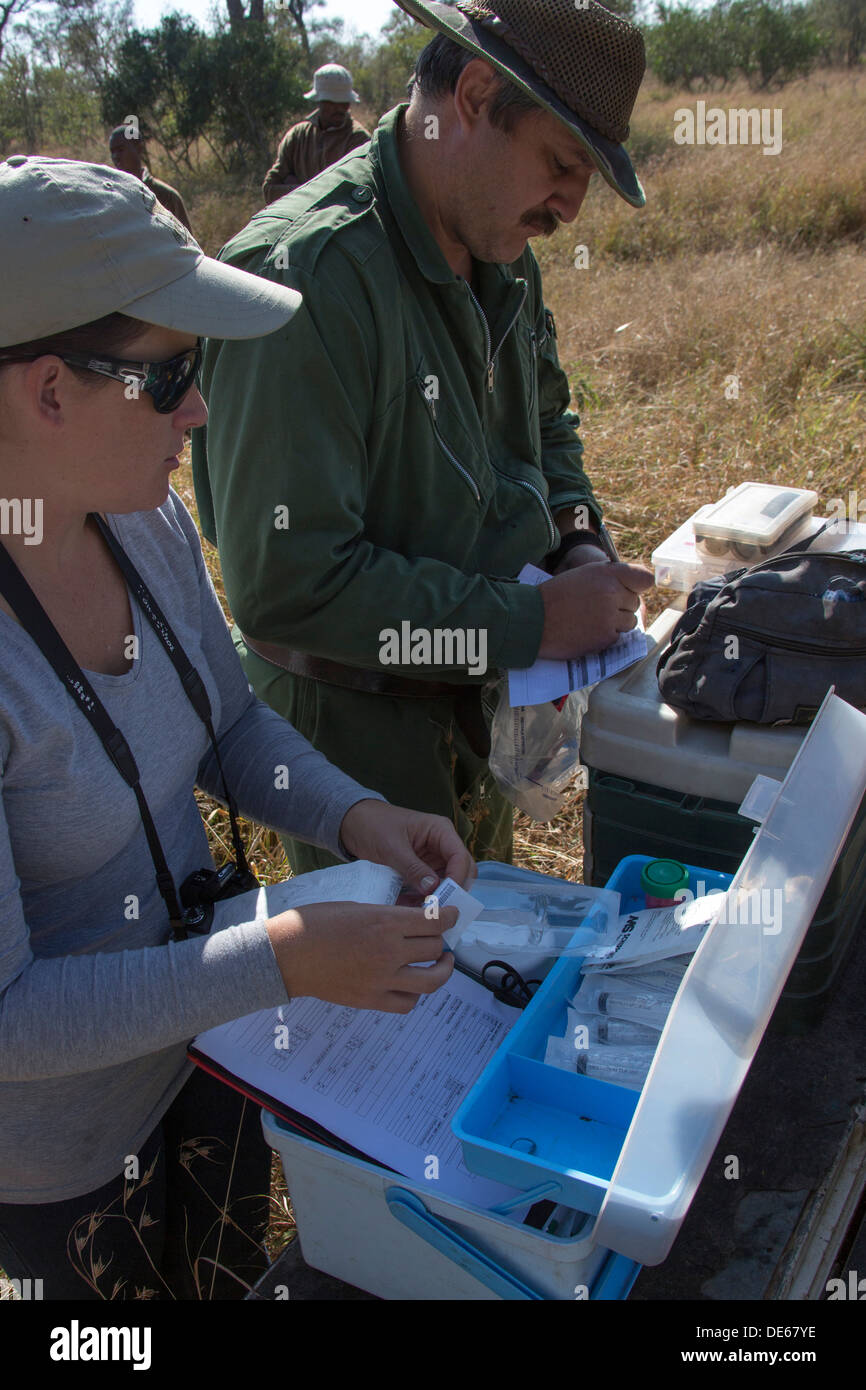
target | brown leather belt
[
  {"x": 467, "y": 698},
  {"x": 318, "y": 668}
]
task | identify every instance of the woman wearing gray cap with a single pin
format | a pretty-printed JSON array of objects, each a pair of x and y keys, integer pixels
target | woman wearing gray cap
[{"x": 114, "y": 1154}]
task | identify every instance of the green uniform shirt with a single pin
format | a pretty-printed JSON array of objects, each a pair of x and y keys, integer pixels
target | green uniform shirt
[
  {"x": 168, "y": 196},
  {"x": 396, "y": 451}
]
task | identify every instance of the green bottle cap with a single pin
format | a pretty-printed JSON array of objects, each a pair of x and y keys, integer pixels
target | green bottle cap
[{"x": 664, "y": 878}]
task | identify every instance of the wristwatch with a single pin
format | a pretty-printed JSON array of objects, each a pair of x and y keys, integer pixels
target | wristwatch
[{"x": 575, "y": 538}]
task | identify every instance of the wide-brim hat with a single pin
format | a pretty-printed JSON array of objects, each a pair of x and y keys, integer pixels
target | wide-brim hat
[
  {"x": 580, "y": 62},
  {"x": 332, "y": 83},
  {"x": 79, "y": 241}
]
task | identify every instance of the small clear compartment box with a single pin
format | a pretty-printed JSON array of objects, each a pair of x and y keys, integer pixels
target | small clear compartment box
[{"x": 754, "y": 521}]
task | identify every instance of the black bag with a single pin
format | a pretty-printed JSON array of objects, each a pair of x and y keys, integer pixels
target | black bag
[{"x": 765, "y": 644}]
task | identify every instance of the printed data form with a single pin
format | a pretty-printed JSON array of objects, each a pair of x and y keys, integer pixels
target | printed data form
[
  {"x": 388, "y": 1084},
  {"x": 550, "y": 680}
]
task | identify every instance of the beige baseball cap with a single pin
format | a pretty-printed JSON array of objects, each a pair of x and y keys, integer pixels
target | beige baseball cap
[{"x": 79, "y": 241}]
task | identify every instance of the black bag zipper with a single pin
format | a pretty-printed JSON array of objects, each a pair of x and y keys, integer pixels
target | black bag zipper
[{"x": 772, "y": 639}]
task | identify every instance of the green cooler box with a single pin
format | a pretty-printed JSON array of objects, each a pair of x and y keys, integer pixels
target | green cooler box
[{"x": 666, "y": 785}]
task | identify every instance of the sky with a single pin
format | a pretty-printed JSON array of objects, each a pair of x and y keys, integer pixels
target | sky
[{"x": 366, "y": 16}]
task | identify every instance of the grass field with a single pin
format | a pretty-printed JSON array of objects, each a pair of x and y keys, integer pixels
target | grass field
[{"x": 742, "y": 265}]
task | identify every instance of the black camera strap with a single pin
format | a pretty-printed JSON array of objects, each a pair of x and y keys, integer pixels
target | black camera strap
[
  {"x": 189, "y": 677},
  {"x": 40, "y": 628}
]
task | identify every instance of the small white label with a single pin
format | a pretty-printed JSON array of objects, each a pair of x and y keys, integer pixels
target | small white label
[{"x": 450, "y": 894}]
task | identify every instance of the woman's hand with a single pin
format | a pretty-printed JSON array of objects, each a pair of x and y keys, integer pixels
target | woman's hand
[
  {"x": 360, "y": 954},
  {"x": 421, "y": 848}
]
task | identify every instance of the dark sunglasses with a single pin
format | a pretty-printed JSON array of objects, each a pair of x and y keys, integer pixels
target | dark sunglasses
[{"x": 167, "y": 382}]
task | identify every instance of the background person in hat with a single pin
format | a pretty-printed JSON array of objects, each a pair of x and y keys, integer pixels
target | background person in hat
[
  {"x": 422, "y": 439},
  {"x": 116, "y": 1156},
  {"x": 129, "y": 155},
  {"x": 323, "y": 138}
]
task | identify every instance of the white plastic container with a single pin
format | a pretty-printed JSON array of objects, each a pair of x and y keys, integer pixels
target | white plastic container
[
  {"x": 755, "y": 515},
  {"x": 681, "y": 561},
  {"x": 400, "y": 1240},
  {"x": 350, "y": 1218}
]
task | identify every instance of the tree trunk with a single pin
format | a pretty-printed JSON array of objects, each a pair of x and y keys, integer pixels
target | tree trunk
[{"x": 296, "y": 10}]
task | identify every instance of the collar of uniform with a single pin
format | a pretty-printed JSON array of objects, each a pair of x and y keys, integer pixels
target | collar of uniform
[{"x": 406, "y": 212}]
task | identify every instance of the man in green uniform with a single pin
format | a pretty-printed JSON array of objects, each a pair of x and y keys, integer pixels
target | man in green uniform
[
  {"x": 376, "y": 476},
  {"x": 129, "y": 154}
]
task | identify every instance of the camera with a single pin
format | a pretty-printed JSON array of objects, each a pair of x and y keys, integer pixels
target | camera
[{"x": 200, "y": 890}]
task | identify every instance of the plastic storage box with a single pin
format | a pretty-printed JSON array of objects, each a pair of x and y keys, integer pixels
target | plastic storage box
[
  {"x": 681, "y": 560},
  {"x": 630, "y": 1162},
  {"x": 637, "y": 1161},
  {"x": 398, "y": 1239},
  {"x": 668, "y": 786},
  {"x": 378, "y": 1231}
]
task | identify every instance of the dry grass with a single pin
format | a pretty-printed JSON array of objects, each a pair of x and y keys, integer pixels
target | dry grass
[{"x": 713, "y": 198}]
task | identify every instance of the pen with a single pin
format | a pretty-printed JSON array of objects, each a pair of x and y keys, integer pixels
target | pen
[{"x": 605, "y": 537}]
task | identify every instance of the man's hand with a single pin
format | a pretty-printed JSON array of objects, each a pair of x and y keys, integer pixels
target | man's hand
[
  {"x": 585, "y": 609},
  {"x": 420, "y": 847},
  {"x": 581, "y": 555}
]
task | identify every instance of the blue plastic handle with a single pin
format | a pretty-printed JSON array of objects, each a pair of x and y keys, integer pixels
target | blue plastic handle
[{"x": 411, "y": 1212}]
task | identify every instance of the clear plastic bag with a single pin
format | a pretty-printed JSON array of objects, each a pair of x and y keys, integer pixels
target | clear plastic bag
[
  {"x": 530, "y": 925},
  {"x": 534, "y": 752}
]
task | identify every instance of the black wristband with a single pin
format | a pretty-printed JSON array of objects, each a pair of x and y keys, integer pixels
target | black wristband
[{"x": 585, "y": 537}]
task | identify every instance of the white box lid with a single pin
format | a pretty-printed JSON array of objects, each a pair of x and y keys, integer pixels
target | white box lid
[
  {"x": 756, "y": 513},
  {"x": 730, "y": 990}
]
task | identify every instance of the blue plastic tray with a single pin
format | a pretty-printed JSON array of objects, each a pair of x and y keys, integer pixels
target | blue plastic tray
[{"x": 568, "y": 1128}]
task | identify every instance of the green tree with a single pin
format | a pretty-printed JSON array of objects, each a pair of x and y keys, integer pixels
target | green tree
[
  {"x": 19, "y": 113},
  {"x": 80, "y": 36},
  {"x": 683, "y": 47},
  {"x": 768, "y": 41},
  {"x": 255, "y": 80},
  {"x": 771, "y": 42},
  {"x": 842, "y": 24},
  {"x": 164, "y": 77},
  {"x": 385, "y": 68},
  {"x": 9, "y": 10},
  {"x": 53, "y": 70}
]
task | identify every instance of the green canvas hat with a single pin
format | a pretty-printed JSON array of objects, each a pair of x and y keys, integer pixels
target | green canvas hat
[{"x": 573, "y": 57}]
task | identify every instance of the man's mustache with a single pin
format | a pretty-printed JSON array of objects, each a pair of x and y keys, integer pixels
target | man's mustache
[{"x": 542, "y": 221}]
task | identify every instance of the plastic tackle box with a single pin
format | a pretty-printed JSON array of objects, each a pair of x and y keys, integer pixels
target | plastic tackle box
[
  {"x": 630, "y": 1162},
  {"x": 637, "y": 1161}
]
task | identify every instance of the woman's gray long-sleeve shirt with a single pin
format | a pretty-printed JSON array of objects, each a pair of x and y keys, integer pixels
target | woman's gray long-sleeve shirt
[{"x": 95, "y": 1009}]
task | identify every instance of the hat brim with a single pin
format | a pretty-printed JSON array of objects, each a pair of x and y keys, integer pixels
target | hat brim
[
  {"x": 610, "y": 158},
  {"x": 352, "y": 97},
  {"x": 218, "y": 301}
]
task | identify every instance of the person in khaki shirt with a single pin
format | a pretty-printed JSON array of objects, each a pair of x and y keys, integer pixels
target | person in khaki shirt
[
  {"x": 316, "y": 143},
  {"x": 128, "y": 156}
]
